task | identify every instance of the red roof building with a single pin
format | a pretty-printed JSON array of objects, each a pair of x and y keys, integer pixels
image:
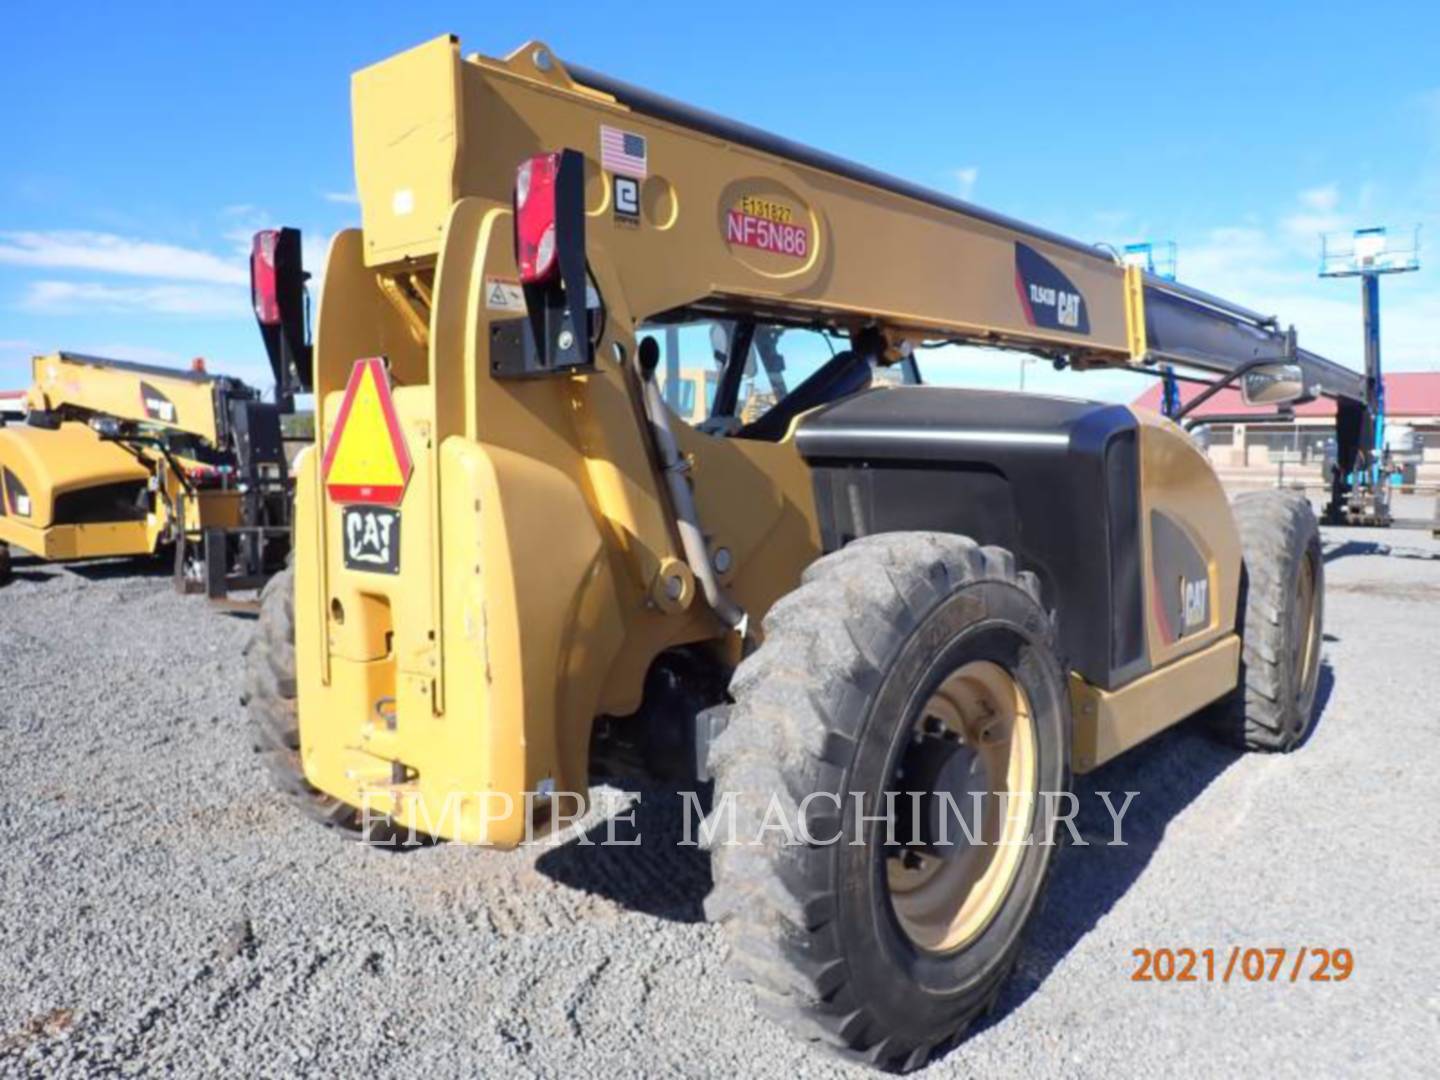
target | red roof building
[
  {"x": 1254, "y": 452},
  {"x": 1408, "y": 395}
]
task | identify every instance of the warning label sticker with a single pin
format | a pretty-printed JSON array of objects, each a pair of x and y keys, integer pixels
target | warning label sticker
[
  {"x": 502, "y": 295},
  {"x": 367, "y": 460},
  {"x": 768, "y": 226}
]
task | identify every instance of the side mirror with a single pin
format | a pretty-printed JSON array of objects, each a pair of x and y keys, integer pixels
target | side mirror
[
  {"x": 1274, "y": 384},
  {"x": 719, "y": 340}
]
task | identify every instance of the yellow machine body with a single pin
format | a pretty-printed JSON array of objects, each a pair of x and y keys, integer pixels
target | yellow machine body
[
  {"x": 71, "y": 493},
  {"x": 540, "y": 571}
]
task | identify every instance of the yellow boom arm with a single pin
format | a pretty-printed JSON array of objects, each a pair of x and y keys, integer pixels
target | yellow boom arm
[{"x": 181, "y": 401}]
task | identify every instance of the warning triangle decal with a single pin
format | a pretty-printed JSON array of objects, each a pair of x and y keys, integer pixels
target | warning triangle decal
[{"x": 366, "y": 460}]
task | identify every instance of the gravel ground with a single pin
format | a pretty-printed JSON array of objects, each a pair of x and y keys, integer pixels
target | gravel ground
[{"x": 163, "y": 914}]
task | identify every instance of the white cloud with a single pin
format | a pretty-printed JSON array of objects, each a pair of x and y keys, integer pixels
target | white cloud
[
  {"x": 965, "y": 179},
  {"x": 1273, "y": 268},
  {"x": 349, "y": 198},
  {"x": 1318, "y": 214},
  {"x": 1324, "y": 199},
  {"x": 112, "y": 254},
  {"x": 167, "y": 299}
]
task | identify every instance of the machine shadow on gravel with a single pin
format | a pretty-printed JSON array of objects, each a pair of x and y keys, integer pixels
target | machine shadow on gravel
[
  {"x": 654, "y": 877},
  {"x": 28, "y": 568},
  {"x": 1370, "y": 547},
  {"x": 660, "y": 878},
  {"x": 109, "y": 569},
  {"x": 1169, "y": 772}
]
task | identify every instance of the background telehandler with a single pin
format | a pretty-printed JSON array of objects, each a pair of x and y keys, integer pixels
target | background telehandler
[
  {"x": 120, "y": 459},
  {"x": 517, "y": 567}
]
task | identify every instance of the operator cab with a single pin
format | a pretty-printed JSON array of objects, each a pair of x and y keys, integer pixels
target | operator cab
[{"x": 749, "y": 380}]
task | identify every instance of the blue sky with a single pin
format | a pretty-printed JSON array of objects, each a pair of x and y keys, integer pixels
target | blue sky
[{"x": 143, "y": 142}]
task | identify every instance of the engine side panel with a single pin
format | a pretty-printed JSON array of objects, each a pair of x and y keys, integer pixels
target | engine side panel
[
  {"x": 1056, "y": 481},
  {"x": 1192, "y": 547},
  {"x": 1118, "y": 513}
]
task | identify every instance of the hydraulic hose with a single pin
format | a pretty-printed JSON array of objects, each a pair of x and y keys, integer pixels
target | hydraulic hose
[{"x": 675, "y": 468}]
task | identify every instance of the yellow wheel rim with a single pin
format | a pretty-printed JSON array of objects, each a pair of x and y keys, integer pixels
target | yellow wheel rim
[
  {"x": 944, "y": 901},
  {"x": 1305, "y": 632}
]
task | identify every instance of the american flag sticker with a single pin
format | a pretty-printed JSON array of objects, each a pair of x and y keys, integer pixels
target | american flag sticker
[{"x": 622, "y": 152}]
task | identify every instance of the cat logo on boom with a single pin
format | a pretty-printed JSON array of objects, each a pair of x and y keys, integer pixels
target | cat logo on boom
[
  {"x": 367, "y": 461},
  {"x": 157, "y": 406},
  {"x": 1048, "y": 298}
]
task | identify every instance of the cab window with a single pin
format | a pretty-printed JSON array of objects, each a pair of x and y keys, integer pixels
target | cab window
[{"x": 694, "y": 357}]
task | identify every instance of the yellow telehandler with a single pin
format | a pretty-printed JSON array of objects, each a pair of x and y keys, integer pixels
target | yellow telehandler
[
  {"x": 850, "y": 601},
  {"x": 112, "y": 458}
]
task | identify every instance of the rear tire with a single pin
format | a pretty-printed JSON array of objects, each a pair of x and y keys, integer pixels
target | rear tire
[
  {"x": 270, "y": 699},
  {"x": 6, "y": 570},
  {"x": 1282, "y": 601},
  {"x": 837, "y": 941}
]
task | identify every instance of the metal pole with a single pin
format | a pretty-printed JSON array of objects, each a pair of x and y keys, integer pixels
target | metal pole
[
  {"x": 1373, "y": 436},
  {"x": 1170, "y": 392},
  {"x": 672, "y": 367}
]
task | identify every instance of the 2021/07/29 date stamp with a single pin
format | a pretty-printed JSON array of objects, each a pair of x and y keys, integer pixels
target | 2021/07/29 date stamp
[{"x": 1240, "y": 963}]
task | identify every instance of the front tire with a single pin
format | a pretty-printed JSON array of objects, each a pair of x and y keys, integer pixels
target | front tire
[
  {"x": 913, "y": 663},
  {"x": 1281, "y": 622}
]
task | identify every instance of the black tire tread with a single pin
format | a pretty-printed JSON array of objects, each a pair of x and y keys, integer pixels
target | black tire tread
[
  {"x": 1276, "y": 528},
  {"x": 783, "y": 735}
]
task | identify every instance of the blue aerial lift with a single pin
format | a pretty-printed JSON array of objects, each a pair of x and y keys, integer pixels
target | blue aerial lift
[{"x": 1361, "y": 495}]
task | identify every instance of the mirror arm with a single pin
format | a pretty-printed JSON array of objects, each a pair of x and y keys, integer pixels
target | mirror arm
[
  {"x": 1290, "y": 355},
  {"x": 1219, "y": 384}
]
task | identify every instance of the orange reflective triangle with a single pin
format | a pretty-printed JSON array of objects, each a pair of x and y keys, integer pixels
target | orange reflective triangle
[{"x": 366, "y": 460}]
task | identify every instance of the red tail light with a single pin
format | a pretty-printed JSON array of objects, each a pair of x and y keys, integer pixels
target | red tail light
[
  {"x": 264, "y": 285},
  {"x": 535, "y": 246}
]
